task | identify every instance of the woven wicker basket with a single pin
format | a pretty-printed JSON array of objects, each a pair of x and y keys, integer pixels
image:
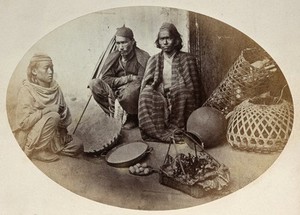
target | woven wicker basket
[
  {"x": 242, "y": 81},
  {"x": 260, "y": 125}
]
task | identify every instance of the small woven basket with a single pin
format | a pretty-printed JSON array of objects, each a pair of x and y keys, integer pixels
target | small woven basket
[
  {"x": 242, "y": 81},
  {"x": 260, "y": 125}
]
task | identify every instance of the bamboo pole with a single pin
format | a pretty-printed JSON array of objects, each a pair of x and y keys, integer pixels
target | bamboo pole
[{"x": 97, "y": 73}]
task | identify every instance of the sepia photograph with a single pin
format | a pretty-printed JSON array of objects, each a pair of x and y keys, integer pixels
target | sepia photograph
[{"x": 149, "y": 109}]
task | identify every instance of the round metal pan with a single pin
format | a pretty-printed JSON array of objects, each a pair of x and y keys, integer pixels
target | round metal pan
[{"x": 127, "y": 154}]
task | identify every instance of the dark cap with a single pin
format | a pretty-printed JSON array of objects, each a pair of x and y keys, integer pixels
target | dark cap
[
  {"x": 124, "y": 32},
  {"x": 170, "y": 27}
]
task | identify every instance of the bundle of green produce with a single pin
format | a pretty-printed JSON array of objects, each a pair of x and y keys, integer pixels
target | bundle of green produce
[{"x": 193, "y": 174}]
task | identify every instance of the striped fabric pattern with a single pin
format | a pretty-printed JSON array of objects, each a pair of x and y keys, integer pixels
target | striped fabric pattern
[{"x": 156, "y": 121}]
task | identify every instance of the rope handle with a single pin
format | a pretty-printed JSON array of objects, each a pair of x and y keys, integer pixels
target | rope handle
[
  {"x": 281, "y": 94},
  {"x": 176, "y": 157}
]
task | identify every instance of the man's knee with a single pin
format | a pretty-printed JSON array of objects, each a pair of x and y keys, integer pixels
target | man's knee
[
  {"x": 48, "y": 122},
  {"x": 92, "y": 83},
  {"x": 97, "y": 86},
  {"x": 53, "y": 118}
]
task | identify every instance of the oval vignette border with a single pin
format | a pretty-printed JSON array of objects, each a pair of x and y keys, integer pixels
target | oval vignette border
[{"x": 271, "y": 55}]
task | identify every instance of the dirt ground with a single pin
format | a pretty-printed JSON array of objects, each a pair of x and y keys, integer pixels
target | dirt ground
[{"x": 93, "y": 178}]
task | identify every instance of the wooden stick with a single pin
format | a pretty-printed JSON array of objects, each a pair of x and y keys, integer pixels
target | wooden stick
[{"x": 82, "y": 114}]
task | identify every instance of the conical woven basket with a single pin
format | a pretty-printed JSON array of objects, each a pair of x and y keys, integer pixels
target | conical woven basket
[
  {"x": 242, "y": 81},
  {"x": 256, "y": 125}
]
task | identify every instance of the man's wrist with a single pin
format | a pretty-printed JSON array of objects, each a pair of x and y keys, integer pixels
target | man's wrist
[{"x": 130, "y": 78}]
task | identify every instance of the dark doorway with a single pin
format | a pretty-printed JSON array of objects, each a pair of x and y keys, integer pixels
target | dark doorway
[{"x": 217, "y": 46}]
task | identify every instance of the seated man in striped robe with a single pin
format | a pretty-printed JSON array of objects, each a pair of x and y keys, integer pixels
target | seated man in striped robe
[
  {"x": 42, "y": 116},
  {"x": 170, "y": 88}
]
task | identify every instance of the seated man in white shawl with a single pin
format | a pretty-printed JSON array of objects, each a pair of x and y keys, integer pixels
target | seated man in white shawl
[{"x": 42, "y": 115}]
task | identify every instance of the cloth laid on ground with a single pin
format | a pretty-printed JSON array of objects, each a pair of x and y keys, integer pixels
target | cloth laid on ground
[
  {"x": 157, "y": 118},
  {"x": 35, "y": 131}
]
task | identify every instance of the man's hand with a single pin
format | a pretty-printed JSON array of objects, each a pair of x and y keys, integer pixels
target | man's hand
[
  {"x": 67, "y": 138},
  {"x": 132, "y": 78},
  {"x": 51, "y": 108}
]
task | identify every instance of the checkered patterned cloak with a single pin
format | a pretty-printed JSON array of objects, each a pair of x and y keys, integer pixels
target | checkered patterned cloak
[{"x": 158, "y": 118}]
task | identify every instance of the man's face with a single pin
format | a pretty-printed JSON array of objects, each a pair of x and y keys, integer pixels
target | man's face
[
  {"x": 44, "y": 73},
  {"x": 166, "y": 41},
  {"x": 124, "y": 45}
]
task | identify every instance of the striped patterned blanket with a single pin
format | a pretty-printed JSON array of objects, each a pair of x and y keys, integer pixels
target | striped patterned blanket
[{"x": 161, "y": 113}]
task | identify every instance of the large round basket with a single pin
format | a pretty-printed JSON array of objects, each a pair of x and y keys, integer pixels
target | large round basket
[{"x": 260, "y": 125}]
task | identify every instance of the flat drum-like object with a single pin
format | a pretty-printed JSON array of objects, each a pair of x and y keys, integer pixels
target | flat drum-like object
[{"x": 127, "y": 154}]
